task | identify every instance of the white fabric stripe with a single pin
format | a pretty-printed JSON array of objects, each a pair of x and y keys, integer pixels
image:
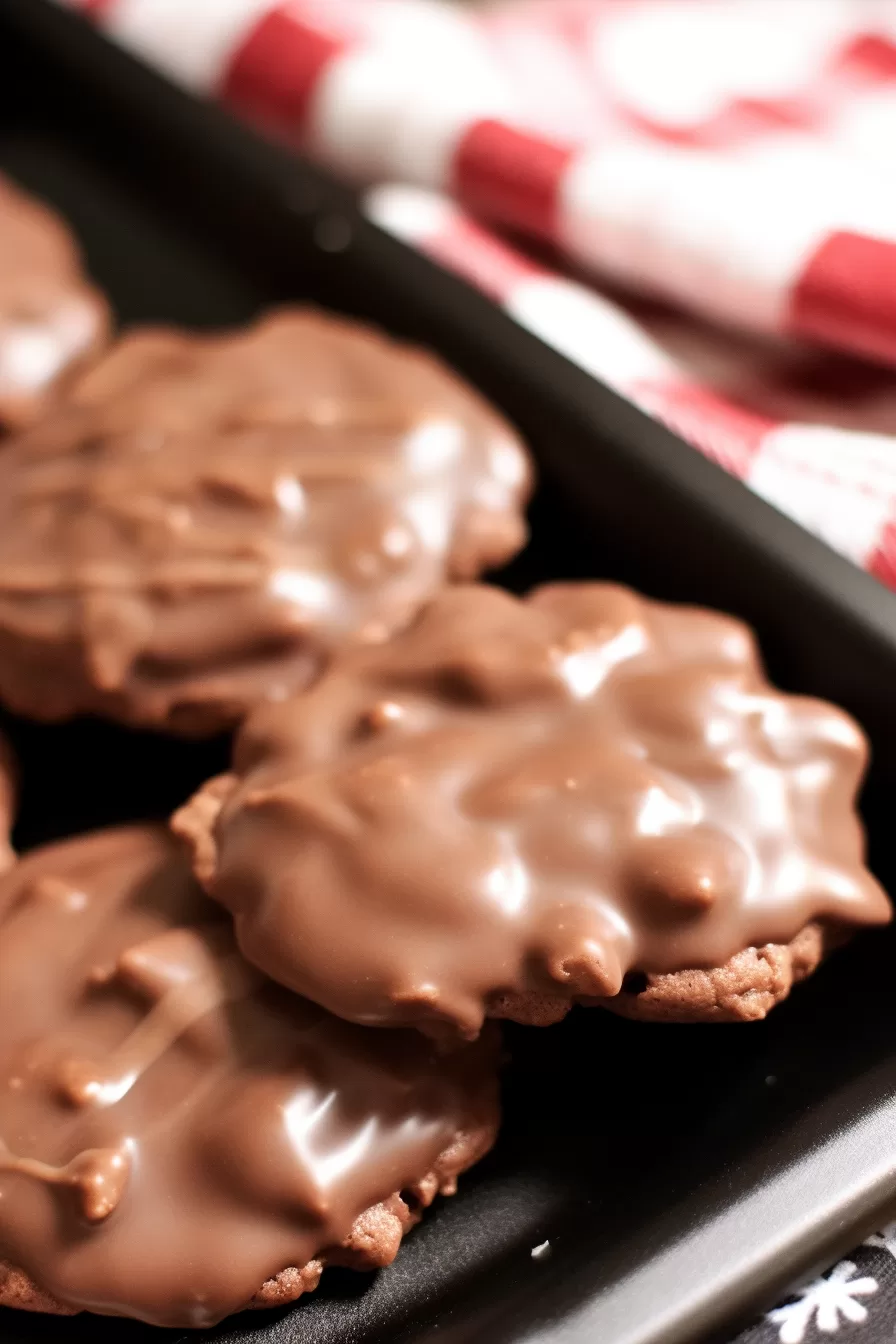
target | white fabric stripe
[
  {"x": 374, "y": 115},
  {"x": 688, "y": 226},
  {"x": 591, "y": 331},
  {"x": 723, "y": 51},
  {"x": 864, "y": 128},
  {"x": 191, "y": 40},
  {"x": 839, "y": 485},
  {"x": 397, "y": 105},
  {"x": 413, "y": 215},
  {"x": 727, "y": 236}
]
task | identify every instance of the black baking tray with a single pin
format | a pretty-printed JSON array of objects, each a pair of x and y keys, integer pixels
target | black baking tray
[{"x": 683, "y": 1176}]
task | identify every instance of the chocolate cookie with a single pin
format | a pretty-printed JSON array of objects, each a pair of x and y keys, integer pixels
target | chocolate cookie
[
  {"x": 516, "y": 805},
  {"x": 179, "y": 1138},
  {"x": 51, "y": 319},
  {"x": 205, "y": 519}
]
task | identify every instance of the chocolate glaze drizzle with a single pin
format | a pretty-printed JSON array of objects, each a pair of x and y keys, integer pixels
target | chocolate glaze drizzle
[
  {"x": 532, "y": 798},
  {"x": 175, "y": 1131},
  {"x": 203, "y": 519}
]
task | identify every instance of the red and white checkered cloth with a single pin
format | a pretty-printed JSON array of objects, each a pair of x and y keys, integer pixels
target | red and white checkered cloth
[{"x": 728, "y": 162}]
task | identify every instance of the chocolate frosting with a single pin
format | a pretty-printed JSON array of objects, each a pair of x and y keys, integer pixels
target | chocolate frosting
[
  {"x": 51, "y": 319},
  {"x": 206, "y": 518},
  {"x": 174, "y": 1130},
  {"x": 532, "y": 797}
]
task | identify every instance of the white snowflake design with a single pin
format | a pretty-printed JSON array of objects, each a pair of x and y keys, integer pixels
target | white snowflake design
[
  {"x": 825, "y": 1300},
  {"x": 884, "y": 1240}
]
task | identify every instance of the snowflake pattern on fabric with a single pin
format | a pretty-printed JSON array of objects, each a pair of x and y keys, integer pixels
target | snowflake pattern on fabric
[
  {"x": 824, "y": 1301},
  {"x": 854, "y": 1302}
]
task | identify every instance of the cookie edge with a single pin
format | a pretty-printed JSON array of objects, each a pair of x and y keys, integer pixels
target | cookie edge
[
  {"x": 372, "y": 1242},
  {"x": 743, "y": 989}
]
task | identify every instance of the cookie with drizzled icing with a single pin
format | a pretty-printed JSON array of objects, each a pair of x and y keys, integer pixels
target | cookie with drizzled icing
[
  {"x": 52, "y": 321},
  {"x": 515, "y": 806},
  {"x": 180, "y": 1138},
  {"x": 203, "y": 520}
]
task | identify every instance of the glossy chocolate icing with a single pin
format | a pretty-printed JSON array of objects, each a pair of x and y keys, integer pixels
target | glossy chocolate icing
[
  {"x": 174, "y": 1130},
  {"x": 533, "y": 798},
  {"x": 51, "y": 319},
  {"x": 206, "y": 517}
]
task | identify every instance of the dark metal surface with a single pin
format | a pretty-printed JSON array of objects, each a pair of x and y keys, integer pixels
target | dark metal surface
[{"x": 682, "y": 1175}]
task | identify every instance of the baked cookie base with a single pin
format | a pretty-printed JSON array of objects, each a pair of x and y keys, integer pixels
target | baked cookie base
[{"x": 745, "y": 989}]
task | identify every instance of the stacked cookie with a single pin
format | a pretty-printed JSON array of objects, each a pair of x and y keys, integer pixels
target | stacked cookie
[
  {"x": 180, "y": 1138},
  {"x": 201, "y": 521},
  {"x": 253, "y": 1042},
  {"x": 515, "y": 806}
]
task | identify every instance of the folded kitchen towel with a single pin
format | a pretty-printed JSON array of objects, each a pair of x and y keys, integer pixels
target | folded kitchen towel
[{"x": 718, "y": 168}]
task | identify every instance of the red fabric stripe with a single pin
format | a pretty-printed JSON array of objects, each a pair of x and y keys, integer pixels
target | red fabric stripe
[
  {"x": 846, "y": 296},
  {"x": 274, "y": 74},
  {"x": 480, "y": 258},
  {"x": 96, "y": 9},
  {"x": 726, "y": 433},
  {"x": 511, "y": 176},
  {"x": 870, "y": 55},
  {"x": 882, "y": 563}
]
